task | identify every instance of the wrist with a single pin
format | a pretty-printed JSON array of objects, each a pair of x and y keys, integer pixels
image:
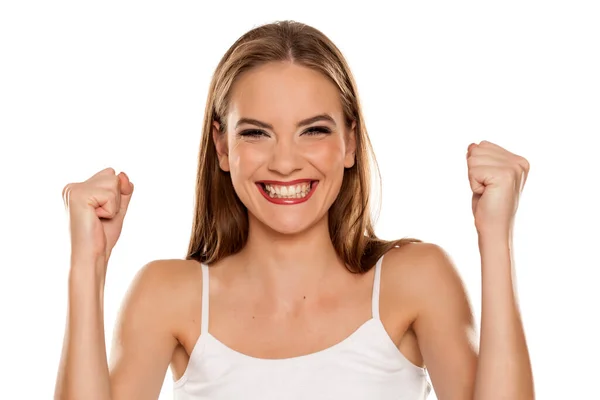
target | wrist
[
  {"x": 495, "y": 251},
  {"x": 87, "y": 273},
  {"x": 494, "y": 236}
]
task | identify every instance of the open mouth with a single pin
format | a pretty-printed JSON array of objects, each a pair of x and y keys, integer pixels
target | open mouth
[{"x": 288, "y": 193}]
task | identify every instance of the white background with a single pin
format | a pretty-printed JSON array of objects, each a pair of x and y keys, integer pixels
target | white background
[{"x": 87, "y": 85}]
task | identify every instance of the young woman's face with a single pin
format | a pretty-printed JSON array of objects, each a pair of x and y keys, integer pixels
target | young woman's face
[{"x": 286, "y": 145}]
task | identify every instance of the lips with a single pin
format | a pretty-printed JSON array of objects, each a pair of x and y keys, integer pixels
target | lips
[{"x": 287, "y": 193}]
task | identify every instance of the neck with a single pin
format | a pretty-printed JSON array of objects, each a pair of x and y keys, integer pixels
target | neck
[{"x": 290, "y": 265}]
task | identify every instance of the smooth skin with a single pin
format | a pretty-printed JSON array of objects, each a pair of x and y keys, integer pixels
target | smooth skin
[{"x": 266, "y": 293}]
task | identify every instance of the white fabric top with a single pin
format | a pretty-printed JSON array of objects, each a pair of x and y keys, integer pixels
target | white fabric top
[{"x": 365, "y": 365}]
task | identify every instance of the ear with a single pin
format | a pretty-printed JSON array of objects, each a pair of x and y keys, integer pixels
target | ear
[
  {"x": 350, "y": 147},
  {"x": 220, "y": 140}
]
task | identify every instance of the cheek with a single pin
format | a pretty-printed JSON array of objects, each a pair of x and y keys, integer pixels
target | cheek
[
  {"x": 328, "y": 155},
  {"x": 245, "y": 158}
]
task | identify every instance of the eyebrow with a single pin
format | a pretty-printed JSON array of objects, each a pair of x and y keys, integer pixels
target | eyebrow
[{"x": 304, "y": 122}]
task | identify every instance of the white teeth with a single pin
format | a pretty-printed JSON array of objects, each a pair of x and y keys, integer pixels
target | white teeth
[{"x": 290, "y": 192}]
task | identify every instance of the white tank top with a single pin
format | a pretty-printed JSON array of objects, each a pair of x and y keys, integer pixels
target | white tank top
[{"x": 365, "y": 365}]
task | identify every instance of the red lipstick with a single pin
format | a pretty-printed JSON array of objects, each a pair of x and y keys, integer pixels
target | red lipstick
[{"x": 286, "y": 201}]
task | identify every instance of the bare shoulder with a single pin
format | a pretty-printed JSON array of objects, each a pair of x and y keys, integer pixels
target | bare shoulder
[
  {"x": 417, "y": 254},
  {"x": 168, "y": 276},
  {"x": 166, "y": 287},
  {"x": 165, "y": 273},
  {"x": 443, "y": 320},
  {"x": 423, "y": 269},
  {"x": 152, "y": 315},
  {"x": 424, "y": 277}
]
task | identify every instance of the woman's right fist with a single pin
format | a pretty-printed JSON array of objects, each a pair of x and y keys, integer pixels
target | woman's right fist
[{"x": 96, "y": 209}]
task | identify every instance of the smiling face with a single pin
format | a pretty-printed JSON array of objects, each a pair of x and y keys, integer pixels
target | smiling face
[{"x": 286, "y": 145}]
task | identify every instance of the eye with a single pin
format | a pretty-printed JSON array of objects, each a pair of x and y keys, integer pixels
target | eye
[
  {"x": 253, "y": 133},
  {"x": 317, "y": 130}
]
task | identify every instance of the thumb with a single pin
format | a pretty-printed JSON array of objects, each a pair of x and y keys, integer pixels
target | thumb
[
  {"x": 477, "y": 178},
  {"x": 126, "y": 187}
]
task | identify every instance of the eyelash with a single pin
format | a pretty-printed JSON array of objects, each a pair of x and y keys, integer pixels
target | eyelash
[{"x": 315, "y": 130}]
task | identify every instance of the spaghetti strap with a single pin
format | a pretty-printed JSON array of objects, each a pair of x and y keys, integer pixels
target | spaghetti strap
[
  {"x": 205, "y": 286},
  {"x": 217, "y": 371},
  {"x": 376, "y": 289}
]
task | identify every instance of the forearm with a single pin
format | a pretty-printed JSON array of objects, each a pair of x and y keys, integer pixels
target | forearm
[
  {"x": 83, "y": 371},
  {"x": 504, "y": 368}
]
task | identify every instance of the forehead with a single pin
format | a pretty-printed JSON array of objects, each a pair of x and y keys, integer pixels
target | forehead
[{"x": 282, "y": 93}]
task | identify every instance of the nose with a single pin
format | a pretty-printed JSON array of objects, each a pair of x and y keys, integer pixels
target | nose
[{"x": 284, "y": 157}]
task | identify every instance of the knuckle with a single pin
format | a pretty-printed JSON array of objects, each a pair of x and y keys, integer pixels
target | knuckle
[
  {"x": 472, "y": 161},
  {"x": 472, "y": 172},
  {"x": 70, "y": 192},
  {"x": 517, "y": 171},
  {"x": 108, "y": 182},
  {"x": 65, "y": 191}
]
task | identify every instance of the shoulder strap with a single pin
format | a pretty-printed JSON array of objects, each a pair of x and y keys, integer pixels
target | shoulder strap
[
  {"x": 376, "y": 288},
  {"x": 205, "y": 286}
]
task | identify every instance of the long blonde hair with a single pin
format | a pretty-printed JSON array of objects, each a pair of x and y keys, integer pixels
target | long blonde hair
[{"x": 220, "y": 225}]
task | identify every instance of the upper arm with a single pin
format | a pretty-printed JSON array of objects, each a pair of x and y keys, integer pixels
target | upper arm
[
  {"x": 444, "y": 325},
  {"x": 143, "y": 341}
]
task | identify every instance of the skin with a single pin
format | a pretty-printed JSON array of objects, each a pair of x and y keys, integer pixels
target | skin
[{"x": 259, "y": 297}]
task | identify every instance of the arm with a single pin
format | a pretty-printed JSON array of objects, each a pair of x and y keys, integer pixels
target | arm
[
  {"x": 444, "y": 325},
  {"x": 504, "y": 369},
  {"x": 143, "y": 340},
  {"x": 446, "y": 332}
]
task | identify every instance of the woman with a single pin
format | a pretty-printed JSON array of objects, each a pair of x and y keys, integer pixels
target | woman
[{"x": 285, "y": 292}]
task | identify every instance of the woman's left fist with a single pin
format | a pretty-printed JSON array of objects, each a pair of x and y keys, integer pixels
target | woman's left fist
[{"x": 497, "y": 177}]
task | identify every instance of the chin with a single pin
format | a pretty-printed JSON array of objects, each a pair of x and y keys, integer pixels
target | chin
[
  {"x": 291, "y": 226},
  {"x": 285, "y": 222}
]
